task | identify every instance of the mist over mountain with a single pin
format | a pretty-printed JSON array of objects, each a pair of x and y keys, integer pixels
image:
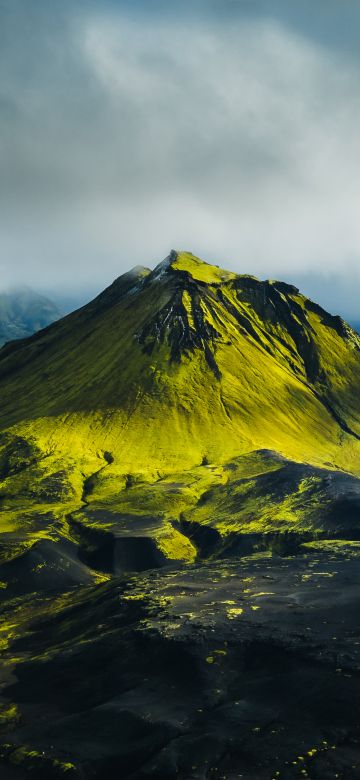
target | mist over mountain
[
  {"x": 24, "y": 311},
  {"x": 128, "y": 140}
]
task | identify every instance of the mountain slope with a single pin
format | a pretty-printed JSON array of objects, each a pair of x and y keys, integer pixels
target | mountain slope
[
  {"x": 23, "y": 312},
  {"x": 180, "y": 535},
  {"x": 132, "y": 410},
  {"x": 210, "y": 363}
]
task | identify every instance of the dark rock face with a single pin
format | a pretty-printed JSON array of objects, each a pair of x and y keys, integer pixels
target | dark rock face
[
  {"x": 171, "y": 325},
  {"x": 114, "y": 553}
]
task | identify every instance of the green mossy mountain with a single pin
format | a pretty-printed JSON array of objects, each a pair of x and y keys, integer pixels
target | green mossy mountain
[
  {"x": 216, "y": 364},
  {"x": 180, "y": 535},
  {"x": 176, "y": 398}
]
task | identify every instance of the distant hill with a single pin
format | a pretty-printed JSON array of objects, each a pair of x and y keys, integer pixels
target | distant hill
[{"x": 23, "y": 312}]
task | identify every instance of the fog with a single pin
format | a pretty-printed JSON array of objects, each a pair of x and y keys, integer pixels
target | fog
[{"x": 129, "y": 129}]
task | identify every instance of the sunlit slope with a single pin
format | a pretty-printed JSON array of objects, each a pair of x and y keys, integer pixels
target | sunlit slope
[{"x": 184, "y": 365}]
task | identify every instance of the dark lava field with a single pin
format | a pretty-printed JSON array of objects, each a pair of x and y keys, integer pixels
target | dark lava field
[{"x": 240, "y": 668}]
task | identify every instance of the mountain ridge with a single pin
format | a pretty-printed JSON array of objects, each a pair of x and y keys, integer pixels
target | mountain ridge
[
  {"x": 141, "y": 414},
  {"x": 189, "y": 317}
]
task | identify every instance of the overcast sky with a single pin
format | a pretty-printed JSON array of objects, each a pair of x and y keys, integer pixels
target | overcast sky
[{"x": 226, "y": 127}]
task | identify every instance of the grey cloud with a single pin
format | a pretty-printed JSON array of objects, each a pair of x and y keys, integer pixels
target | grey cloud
[{"x": 124, "y": 133}]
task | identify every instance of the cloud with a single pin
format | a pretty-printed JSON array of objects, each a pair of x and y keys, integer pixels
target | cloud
[{"x": 125, "y": 134}]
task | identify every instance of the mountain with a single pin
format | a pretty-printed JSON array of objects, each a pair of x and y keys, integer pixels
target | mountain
[
  {"x": 171, "y": 386},
  {"x": 180, "y": 507},
  {"x": 23, "y": 312},
  {"x": 204, "y": 353}
]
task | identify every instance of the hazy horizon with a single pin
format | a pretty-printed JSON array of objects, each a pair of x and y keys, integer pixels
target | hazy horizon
[{"x": 319, "y": 288}]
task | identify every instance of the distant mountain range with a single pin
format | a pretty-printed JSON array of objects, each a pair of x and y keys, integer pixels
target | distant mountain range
[{"x": 23, "y": 312}]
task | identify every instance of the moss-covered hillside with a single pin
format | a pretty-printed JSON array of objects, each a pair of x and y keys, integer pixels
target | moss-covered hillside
[
  {"x": 132, "y": 416},
  {"x": 207, "y": 363},
  {"x": 180, "y": 535}
]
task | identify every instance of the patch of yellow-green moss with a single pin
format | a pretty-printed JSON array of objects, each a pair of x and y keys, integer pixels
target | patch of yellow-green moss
[
  {"x": 175, "y": 546},
  {"x": 9, "y": 714}
]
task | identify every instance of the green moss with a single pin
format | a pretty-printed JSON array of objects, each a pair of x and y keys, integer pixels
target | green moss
[
  {"x": 31, "y": 759},
  {"x": 176, "y": 546},
  {"x": 105, "y": 420},
  {"x": 334, "y": 546},
  {"x": 263, "y": 494},
  {"x": 118, "y": 398},
  {"x": 200, "y": 271},
  {"x": 9, "y": 714}
]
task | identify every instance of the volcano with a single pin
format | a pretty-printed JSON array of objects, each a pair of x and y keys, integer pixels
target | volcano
[{"x": 180, "y": 518}]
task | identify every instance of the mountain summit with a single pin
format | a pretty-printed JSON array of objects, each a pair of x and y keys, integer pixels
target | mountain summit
[
  {"x": 207, "y": 363},
  {"x": 181, "y": 398}
]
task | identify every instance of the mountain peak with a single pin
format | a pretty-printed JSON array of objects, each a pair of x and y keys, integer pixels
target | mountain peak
[
  {"x": 193, "y": 267},
  {"x": 191, "y": 348}
]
